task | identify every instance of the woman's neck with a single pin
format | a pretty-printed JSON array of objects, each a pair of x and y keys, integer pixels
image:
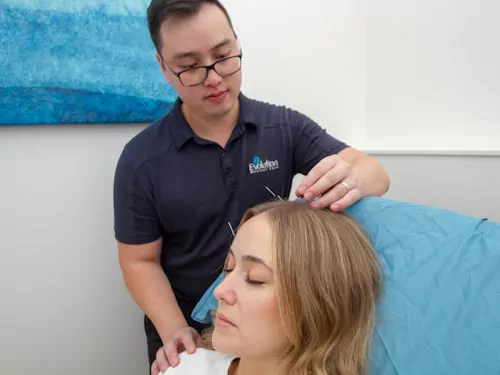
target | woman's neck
[{"x": 254, "y": 366}]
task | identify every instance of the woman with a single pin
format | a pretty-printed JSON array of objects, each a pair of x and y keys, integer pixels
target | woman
[{"x": 298, "y": 297}]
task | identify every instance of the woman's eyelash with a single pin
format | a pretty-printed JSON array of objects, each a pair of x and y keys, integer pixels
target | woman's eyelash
[
  {"x": 225, "y": 271},
  {"x": 253, "y": 282}
]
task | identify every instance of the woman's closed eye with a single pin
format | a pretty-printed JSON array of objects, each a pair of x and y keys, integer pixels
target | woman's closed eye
[
  {"x": 247, "y": 278},
  {"x": 253, "y": 282}
]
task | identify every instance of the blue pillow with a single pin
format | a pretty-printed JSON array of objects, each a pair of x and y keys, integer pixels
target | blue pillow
[{"x": 440, "y": 311}]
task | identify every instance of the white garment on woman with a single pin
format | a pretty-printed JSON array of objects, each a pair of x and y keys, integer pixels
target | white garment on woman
[{"x": 201, "y": 362}]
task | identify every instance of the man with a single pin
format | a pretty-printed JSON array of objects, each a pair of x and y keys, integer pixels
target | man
[{"x": 184, "y": 181}]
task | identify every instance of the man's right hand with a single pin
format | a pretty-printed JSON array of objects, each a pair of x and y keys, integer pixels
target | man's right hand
[{"x": 186, "y": 338}]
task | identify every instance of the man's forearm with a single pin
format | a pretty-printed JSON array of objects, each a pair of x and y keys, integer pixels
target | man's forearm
[{"x": 151, "y": 290}]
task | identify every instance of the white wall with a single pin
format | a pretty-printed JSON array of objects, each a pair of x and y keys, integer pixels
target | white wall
[
  {"x": 433, "y": 75},
  {"x": 397, "y": 75},
  {"x": 308, "y": 55},
  {"x": 64, "y": 307},
  {"x": 469, "y": 184}
]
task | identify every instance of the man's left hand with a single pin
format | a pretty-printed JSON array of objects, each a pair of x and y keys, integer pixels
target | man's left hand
[{"x": 334, "y": 182}]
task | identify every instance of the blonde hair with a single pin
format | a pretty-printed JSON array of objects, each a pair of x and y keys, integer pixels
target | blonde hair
[{"x": 328, "y": 281}]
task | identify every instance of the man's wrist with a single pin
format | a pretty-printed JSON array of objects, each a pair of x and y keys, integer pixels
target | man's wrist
[{"x": 172, "y": 329}]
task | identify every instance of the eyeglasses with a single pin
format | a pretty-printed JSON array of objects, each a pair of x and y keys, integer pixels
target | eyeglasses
[{"x": 198, "y": 75}]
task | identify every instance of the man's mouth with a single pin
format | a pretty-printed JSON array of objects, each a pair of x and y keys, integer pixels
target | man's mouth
[{"x": 216, "y": 95}]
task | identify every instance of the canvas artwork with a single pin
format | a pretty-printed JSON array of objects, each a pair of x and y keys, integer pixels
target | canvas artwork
[{"x": 79, "y": 62}]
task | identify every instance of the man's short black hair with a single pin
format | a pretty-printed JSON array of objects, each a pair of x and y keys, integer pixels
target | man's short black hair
[{"x": 161, "y": 10}]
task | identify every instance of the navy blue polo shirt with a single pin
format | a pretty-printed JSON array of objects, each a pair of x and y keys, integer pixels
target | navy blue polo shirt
[{"x": 171, "y": 183}]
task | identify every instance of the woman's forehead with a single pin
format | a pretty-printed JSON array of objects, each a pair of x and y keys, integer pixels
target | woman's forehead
[{"x": 254, "y": 238}]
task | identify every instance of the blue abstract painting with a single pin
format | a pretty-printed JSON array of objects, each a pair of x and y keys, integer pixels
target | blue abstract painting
[{"x": 79, "y": 62}]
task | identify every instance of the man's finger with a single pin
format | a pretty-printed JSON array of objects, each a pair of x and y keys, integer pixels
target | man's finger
[
  {"x": 331, "y": 196},
  {"x": 161, "y": 360},
  {"x": 199, "y": 341},
  {"x": 189, "y": 343},
  {"x": 171, "y": 353},
  {"x": 316, "y": 172},
  {"x": 347, "y": 200},
  {"x": 328, "y": 181},
  {"x": 155, "y": 370}
]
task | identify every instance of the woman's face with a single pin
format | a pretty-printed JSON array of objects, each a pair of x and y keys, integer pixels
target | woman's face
[{"x": 248, "y": 323}]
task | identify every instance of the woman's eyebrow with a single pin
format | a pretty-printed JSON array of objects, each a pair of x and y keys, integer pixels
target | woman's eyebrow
[{"x": 253, "y": 259}]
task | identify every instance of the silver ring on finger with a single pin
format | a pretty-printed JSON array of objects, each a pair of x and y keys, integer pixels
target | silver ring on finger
[{"x": 346, "y": 185}]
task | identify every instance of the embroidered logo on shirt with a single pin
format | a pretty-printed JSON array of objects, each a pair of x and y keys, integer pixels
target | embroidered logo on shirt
[{"x": 258, "y": 165}]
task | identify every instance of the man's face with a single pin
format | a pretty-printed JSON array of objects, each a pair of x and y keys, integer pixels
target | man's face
[{"x": 201, "y": 39}]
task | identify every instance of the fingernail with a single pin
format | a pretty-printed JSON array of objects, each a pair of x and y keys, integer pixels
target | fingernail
[
  {"x": 335, "y": 207},
  {"x": 315, "y": 204},
  {"x": 308, "y": 195},
  {"x": 302, "y": 189}
]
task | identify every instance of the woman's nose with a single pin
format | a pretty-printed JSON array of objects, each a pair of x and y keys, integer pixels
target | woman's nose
[{"x": 225, "y": 291}]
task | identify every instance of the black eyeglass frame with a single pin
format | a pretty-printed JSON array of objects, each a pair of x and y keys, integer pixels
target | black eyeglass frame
[{"x": 208, "y": 68}]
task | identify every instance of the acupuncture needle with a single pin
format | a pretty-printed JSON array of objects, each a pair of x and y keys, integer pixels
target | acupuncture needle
[
  {"x": 231, "y": 227},
  {"x": 274, "y": 195},
  {"x": 232, "y": 231}
]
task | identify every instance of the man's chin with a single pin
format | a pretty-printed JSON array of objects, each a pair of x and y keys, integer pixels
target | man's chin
[{"x": 220, "y": 112}]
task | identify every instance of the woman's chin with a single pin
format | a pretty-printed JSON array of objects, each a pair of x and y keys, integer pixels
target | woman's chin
[
  {"x": 223, "y": 344},
  {"x": 217, "y": 341}
]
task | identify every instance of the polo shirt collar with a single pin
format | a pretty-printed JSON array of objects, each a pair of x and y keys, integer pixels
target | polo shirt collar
[
  {"x": 181, "y": 132},
  {"x": 248, "y": 112}
]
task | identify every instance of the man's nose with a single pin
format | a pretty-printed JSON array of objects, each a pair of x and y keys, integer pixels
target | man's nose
[{"x": 213, "y": 79}]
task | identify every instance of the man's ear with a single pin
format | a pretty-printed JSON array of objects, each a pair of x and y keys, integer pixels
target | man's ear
[{"x": 163, "y": 68}]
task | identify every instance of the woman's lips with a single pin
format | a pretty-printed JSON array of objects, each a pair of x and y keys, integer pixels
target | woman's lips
[{"x": 223, "y": 322}]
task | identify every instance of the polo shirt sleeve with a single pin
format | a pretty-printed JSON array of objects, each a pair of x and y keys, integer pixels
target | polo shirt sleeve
[
  {"x": 135, "y": 215},
  {"x": 311, "y": 143}
]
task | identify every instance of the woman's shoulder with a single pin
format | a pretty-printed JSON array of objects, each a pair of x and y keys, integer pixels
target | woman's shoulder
[{"x": 202, "y": 362}]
